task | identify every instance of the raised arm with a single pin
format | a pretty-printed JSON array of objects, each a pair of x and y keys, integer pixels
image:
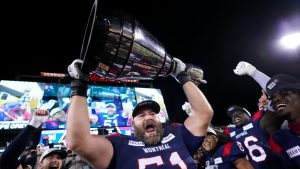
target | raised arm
[
  {"x": 269, "y": 122},
  {"x": 245, "y": 68},
  {"x": 202, "y": 113},
  {"x": 98, "y": 151},
  {"x": 9, "y": 158}
]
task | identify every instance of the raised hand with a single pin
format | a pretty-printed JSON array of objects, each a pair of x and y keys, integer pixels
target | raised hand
[
  {"x": 180, "y": 67},
  {"x": 75, "y": 71},
  {"x": 263, "y": 101},
  {"x": 39, "y": 117},
  {"x": 80, "y": 79},
  {"x": 187, "y": 72},
  {"x": 244, "y": 68}
]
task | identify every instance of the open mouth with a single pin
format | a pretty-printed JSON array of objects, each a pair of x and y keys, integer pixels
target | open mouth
[
  {"x": 237, "y": 119},
  {"x": 53, "y": 166},
  {"x": 280, "y": 106},
  {"x": 150, "y": 128}
]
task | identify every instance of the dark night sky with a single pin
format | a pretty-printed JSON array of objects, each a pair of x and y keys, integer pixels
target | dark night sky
[{"x": 46, "y": 36}]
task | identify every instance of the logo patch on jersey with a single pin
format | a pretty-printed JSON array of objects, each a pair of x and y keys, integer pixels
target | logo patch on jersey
[
  {"x": 232, "y": 134},
  {"x": 167, "y": 138},
  {"x": 293, "y": 152},
  {"x": 136, "y": 143},
  {"x": 218, "y": 160},
  {"x": 241, "y": 134},
  {"x": 207, "y": 163},
  {"x": 248, "y": 126}
]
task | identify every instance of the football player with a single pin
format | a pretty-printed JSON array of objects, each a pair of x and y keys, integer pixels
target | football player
[
  {"x": 284, "y": 93},
  {"x": 151, "y": 146}
]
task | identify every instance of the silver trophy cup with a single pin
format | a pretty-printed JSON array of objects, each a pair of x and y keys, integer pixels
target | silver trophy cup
[{"x": 118, "y": 47}]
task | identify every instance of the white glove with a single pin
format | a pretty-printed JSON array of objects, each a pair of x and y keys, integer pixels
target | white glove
[
  {"x": 75, "y": 72},
  {"x": 180, "y": 67},
  {"x": 39, "y": 118},
  {"x": 244, "y": 68},
  {"x": 187, "y": 108}
]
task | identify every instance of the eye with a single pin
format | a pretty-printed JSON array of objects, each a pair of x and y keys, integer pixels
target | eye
[
  {"x": 152, "y": 113},
  {"x": 141, "y": 115}
]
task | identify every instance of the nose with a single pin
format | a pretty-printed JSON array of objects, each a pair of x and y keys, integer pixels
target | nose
[
  {"x": 56, "y": 158},
  {"x": 235, "y": 115},
  {"x": 148, "y": 116}
]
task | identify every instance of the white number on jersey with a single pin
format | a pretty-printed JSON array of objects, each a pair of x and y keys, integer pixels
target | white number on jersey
[
  {"x": 253, "y": 147},
  {"x": 157, "y": 160},
  {"x": 108, "y": 123}
]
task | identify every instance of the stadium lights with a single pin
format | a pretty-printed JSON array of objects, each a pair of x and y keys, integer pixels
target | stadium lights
[{"x": 290, "y": 41}]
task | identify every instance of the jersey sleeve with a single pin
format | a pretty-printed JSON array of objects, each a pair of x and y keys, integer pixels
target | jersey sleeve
[
  {"x": 283, "y": 141},
  {"x": 115, "y": 140},
  {"x": 227, "y": 131},
  {"x": 16, "y": 147},
  {"x": 192, "y": 142}
]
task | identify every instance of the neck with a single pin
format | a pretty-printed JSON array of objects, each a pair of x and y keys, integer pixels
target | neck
[{"x": 293, "y": 117}]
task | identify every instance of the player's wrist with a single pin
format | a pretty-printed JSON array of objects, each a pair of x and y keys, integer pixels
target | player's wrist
[
  {"x": 79, "y": 87},
  {"x": 183, "y": 77},
  {"x": 250, "y": 69},
  {"x": 35, "y": 124},
  {"x": 252, "y": 72}
]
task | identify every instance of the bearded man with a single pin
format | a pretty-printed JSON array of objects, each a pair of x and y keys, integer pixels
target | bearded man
[{"x": 152, "y": 146}]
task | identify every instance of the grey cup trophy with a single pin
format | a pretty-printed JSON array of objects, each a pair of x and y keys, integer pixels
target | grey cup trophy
[{"x": 118, "y": 47}]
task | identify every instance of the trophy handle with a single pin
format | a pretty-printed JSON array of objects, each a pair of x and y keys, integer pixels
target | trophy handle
[{"x": 196, "y": 74}]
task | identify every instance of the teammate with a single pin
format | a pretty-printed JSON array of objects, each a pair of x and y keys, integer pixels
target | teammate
[
  {"x": 152, "y": 146},
  {"x": 284, "y": 93},
  {"x": 9, "y": 158},
  {"x": 253, "y": 132},
  {"x": 247, "y": 131},
  {"x": 217, "y": 152},
  {"x": 230, "y": 155}
]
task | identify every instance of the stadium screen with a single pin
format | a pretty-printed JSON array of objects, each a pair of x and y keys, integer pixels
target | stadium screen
[
  {"x": 109, "y": 106},
  {"x": 58, "y": 137}
]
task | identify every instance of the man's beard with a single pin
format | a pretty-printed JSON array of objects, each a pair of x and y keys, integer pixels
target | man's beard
[{"x": 149, "y": 140}]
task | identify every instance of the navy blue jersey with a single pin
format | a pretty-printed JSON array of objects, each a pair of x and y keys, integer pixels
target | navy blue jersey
[
  {"x": 287, "y": 145},
  {"x": 174, "y": 151},
  {"x": 111, "y": 120},
  {"x": 255, "y": 142},
  {"x": 224, "y": 156}
]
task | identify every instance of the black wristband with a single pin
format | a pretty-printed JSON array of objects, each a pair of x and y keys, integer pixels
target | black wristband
[
  {"x": 79, "y": 88},
  {"x": 183, "y": 77}
]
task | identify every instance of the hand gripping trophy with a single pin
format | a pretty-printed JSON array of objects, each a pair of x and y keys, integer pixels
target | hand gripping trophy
[{"x": 118, "y": 47}]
